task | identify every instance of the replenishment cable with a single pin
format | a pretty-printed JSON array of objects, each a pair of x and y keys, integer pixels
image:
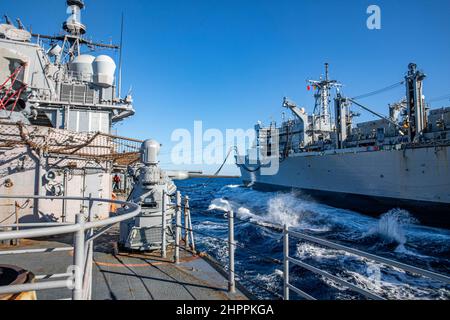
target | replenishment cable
[
  {"x": 22, "y": 207},
  {"x": 444, "y": 97},
  {"x": 393, "y": 86},
  {"x": 216, "y": 174}
]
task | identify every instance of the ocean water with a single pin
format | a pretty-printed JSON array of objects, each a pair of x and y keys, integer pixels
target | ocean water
[{"x": 395, "y": 235}]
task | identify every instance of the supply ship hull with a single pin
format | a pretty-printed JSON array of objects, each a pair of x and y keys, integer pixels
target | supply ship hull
[{"x": 417, "y": 180}]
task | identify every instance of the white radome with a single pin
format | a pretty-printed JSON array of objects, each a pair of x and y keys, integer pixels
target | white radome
[
  {"x": 104, "y": 69},
  {"x": 82, "y": 67}
]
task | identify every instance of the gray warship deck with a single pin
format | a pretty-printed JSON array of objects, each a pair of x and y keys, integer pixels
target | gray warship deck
[{"x": 127, "y": 276}]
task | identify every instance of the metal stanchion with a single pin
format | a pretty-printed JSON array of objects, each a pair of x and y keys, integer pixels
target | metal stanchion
[
  {"x": 286, "y": 262},
  {"x": 78, "y": 258},
  {"x": 191, "y": 230},
  {"x": 231, "y": 244},
  {"x": 178, "y": 229},
  {"x": 164, "y": 226},
  {"x": 16, "y": 212},
  {"x": 90, "y": 257},
  {"x": 186, "y": 222}
]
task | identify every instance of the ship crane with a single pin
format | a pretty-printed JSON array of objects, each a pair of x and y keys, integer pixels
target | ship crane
[
  {"x": 376, "y": 114},
  {"x": 416, "y": 121},
  {"x": 301, "y": 114}
]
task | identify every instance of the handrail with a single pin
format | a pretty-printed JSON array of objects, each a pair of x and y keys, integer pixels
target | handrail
[
  {"x": 80, "y": 273},
  {"x": 133, "y": 210},
  {"x": 389, "y": 262},
  {"x": 347, "y": 284},
  {"x": 287, "y": 259}
]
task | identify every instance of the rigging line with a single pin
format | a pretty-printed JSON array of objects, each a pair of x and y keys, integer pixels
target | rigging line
[
  {"x": 393, "y": 86},
  {"x": 208, "y": 182},
  {"x": 243, "y": 166},
  {"x": 7, "y": 218},
  {"x": 377, "y": 114},
  {"x": 21, "y": 207},
  {"x": 444, "y": 97},
  {"x": 226, "y": 159}
]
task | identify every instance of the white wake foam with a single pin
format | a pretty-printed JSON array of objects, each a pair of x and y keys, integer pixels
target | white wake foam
[
  {"x": 220, "y": 205},
  {"x": 391, "y": 226},
  {"x": 396, "y": 226}
]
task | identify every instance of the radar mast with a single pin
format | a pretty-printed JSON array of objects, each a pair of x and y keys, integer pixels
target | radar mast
[
  {"x": 74, "y": 38},
  {"x": 322, "y": 110}
]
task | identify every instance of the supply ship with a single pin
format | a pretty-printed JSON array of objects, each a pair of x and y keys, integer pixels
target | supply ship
[{"x": 399, "y": 161}]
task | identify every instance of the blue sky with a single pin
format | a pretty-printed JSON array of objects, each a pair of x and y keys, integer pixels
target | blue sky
[{"x": 229, "y": 63}]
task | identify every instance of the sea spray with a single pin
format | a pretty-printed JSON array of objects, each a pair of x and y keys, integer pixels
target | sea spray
[
  {"x": 284, "y": 210},
  {"x": 220, "y": 205},
  {"x": 347, "y": 227},
  {"x": 391, "y": 226}
]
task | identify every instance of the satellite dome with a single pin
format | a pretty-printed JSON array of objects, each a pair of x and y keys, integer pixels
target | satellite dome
[
  {"x": 81, "y": 67},
  {"x": 104, "y": 69}
]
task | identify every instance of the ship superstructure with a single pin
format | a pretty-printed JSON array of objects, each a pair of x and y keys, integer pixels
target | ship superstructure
[
  {"x": 59, "y": 97},
  {"x": 398, "y": 161},
  {"x": 57, "y": 85}
]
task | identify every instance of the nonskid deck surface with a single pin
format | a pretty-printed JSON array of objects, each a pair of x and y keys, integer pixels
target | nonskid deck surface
[{"x": 127, "y": 276}]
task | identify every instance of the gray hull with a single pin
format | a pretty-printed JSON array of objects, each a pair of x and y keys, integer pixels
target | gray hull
[{"x": 417, "y": 180}]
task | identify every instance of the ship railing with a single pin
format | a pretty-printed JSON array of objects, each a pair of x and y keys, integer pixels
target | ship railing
[
  {"x": 78, "y": 278},
  {"x": 287, "y": 260},
  {"x": 97, "y": 146},
  {"x": 232, "y": 246},
  {"x": 185, "y": 236},
  {"x": 80, "y": 76},
  {"x": 185, "y": 240}
]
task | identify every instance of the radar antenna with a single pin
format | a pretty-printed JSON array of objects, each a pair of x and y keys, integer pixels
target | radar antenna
[
  {"x": 322, "y": 96},
  {"x": 7, "y": 20},
  {"x": 75, "y": 31},
  {"x": 20, "y": 24}
]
